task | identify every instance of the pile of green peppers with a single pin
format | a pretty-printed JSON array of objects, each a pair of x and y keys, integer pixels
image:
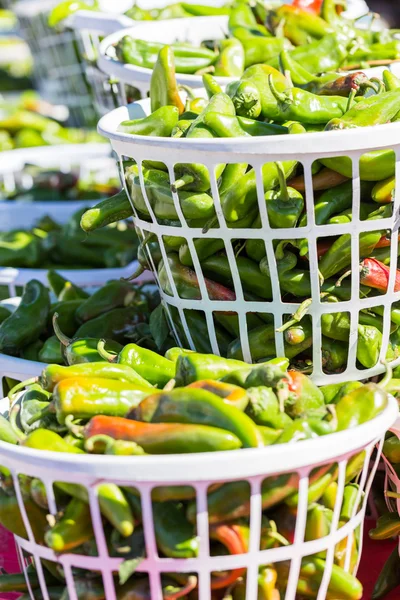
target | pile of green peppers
[
  {"x": 138, "y": 403},
  {"x": 263, "y": 103},
  {"x": 25, "y": 123},
  {"x": 320, "y": 42},
  {"x": 33, "y": 183},
  {"x": 50, "y": 245},
  {"x": 65, "y": 327}
]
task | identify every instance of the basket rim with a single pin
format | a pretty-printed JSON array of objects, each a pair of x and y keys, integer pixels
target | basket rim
[
  {"x": 317, "y": 144},
  {"x": 132, "y": 73},
  {"x": 211, "y": 466}
]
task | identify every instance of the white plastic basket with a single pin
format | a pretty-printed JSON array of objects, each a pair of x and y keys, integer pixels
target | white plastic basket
[
  {"x": 83, "y": 159},
  {"x": 200, "y": 471},
  {"x": 256, "y": 151},
  {"x": 194, "y": 31}
]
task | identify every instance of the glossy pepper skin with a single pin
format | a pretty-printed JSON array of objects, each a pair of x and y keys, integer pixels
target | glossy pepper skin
[
  {"x": 375, "y": 110},
  {"x": 360, "y": 405},
  {"x": 29, "y": 320},
  {"x": 231, "y": 60},
  {"x": 164, "y": 438},
  {"x": 111, "y": 210},
  {"x": 163, "y": 87},
  {"x": 86, "y": 397},
  {"x": 200, "y": 407},
  {"x": 389, "y": 577},
  {"x": 115, "y": 294},
  {"x": 73, "y": 529},
  {"x": 150, "y": 366},
  {"x": 160, "y": 123},
  {"x": 231, "y": 394},
  {"x": 11, "y": 518},
  {"x": 195, "y": 366}
]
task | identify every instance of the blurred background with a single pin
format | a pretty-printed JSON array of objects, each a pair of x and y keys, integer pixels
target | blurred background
[{"x": 389, "y": 9}]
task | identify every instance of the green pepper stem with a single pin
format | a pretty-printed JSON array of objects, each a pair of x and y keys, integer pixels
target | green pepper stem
[
  {"x": 135, "y": 274},
  {"x": 188, "y": 90},
  {"x": 20, "y": 386},
  {"x": 179, "y": 183},
  {"x": 76, "y": 430},
  {"x": 389, "y": 494},
  {"x": 282, "y": 182},
  {"x": 13, "y": 422},
  {"x": 107, "y": 440},
  {"x": 101, "y": 349},
  {"x": 210, "y": 224},
  {"x": 48, "y": 410},
  {"x": 64, "y": 340},
  {"x": 297, "y": 316},
  {"x": 351, "y": 99},
  {"x": 342, "y": 278},
  {"x": 280, "y": 96}
]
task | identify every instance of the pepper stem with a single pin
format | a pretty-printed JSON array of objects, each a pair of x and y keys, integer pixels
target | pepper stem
[
  {"x": 64, "y": 340},
  {"x": 48, "y": 410},
  {"x": 13, "y": 422},
  {"x": 188, "y": 90},
  {"x": 135, "y": 274},
  {"x": 101, "y": 349},
  {"x": 342, "y": 278},
  {"x": 179, "y": 183},
  {"x": 107, "y": 440},
  {"x": 282, "y": 182},
  {"x": 351, "y": 99},
  {"x": 280, "y": 96},
  {"x": 74, "y": 428},
  {"x": 297, "y": 316},
  {"x": 20, "y": 386},
  {"x": 388, "y": 375}
]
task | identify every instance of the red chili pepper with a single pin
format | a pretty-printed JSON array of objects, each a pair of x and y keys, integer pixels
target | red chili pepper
[
  {"x": 231, "y": 537},
  {"x": 376, "y": 275},
  {"x": 313, "y": 6},
  {"x": 385, "y": 241}
]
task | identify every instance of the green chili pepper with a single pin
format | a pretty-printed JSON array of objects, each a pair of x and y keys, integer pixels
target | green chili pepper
[
  {"x": 262, "y": 343},
  {"x": 160, "y": 123},
  {"x": 335, "y": 391},
  {"x": 338, "y": 256},
  {"x": 241, "y": 15},
  {"x": 322, "y": 56},
  {"x": 16, "y": 582},
  {"x": 390, "y": 80},
  {"x": 359, "y": 406},
  {"x": 375, "y": 110},
  {"x": 188, "y": 58},
  {"x": 66, "y": 315},
  {"x": 264, "y": 408},
  {"x": 252, "y": 280},
  {"x": 239, "y": 199},
  {"x": 271, "y": 372},
  {"x": 374, "y": 166},
  {"x": 84, "y": 398},
  {"x": 319, "y": 522},
  {"x": 7, "y": 434},
  {"x": 73, "y": 529},
  {"x": 211, "y": 85},
  {"x": 29, "y": 320},
  {"x": 231, "y": 394},
  {"x": 199, "y": 407},
  {"x": 175, "y": 535},
  {"x": 110, "y": 210},
  {"x": 194, "y": 367},
  {"x": 206, "y": 247},
  {"x": 163, "y": 87},
  {"x": 299, "y": 105},
  {"x": 51, "y": 351},
  {"x": 349, "y": 504},
  {"x": 229, "y": 126},
  {"x": 342, "y": 585},
  {"x": 231, "y": 60},
  {"x": 158, "y": 190},
  {"x": 20, "y": 249},
  {"x": 58, "y": 285},
  {"x": 391, "y": 449},
  {"x": 259, "y": 49},
  {"x": 111, "y": 327},
  {"x": 164, "y": 438},
  {"x": 389, "y": 577},
  {"x": 114, "y": 294},
  {"x": 11, "y": 519},
  {"x": 150, "y": 366}
]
